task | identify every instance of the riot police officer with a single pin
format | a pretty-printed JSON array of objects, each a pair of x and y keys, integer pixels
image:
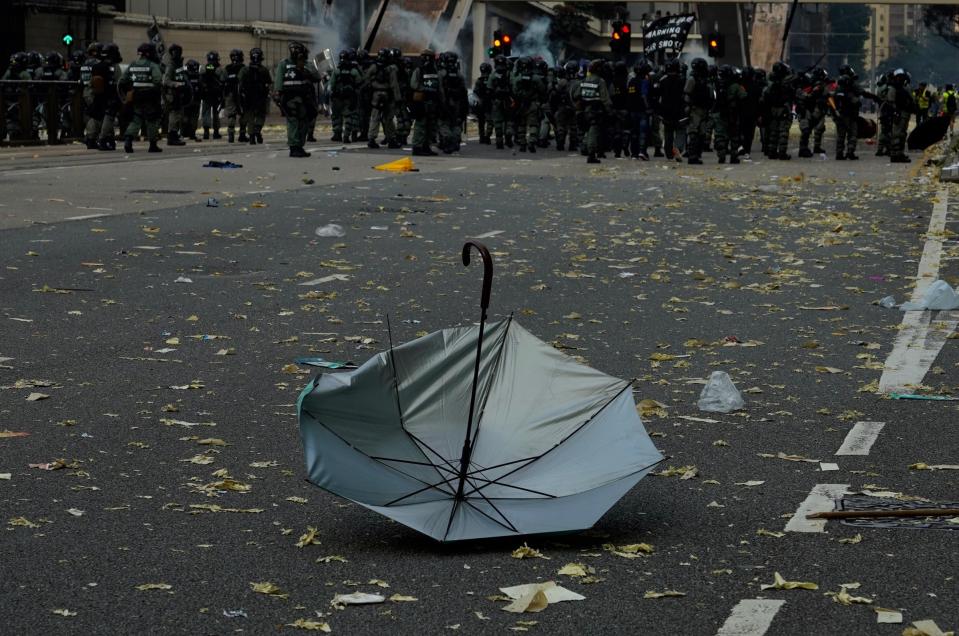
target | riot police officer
[
  {"x": 427, "y": 100},
  {"x": 177, "y": 93},
  {"x": 254, "y": 85},
  {"x": 385, "y": 96},
  {"x": 699, "y": 99},
  {"x": 231, "y": 96},
  {"x": 344, "y": 95},
  {"x": 294, "y": 92},
  {"x": 591, "y": 97},
  {"x": 456, "y": 105},
  {"x": 144, "y": 79},
  {"x": 483, "y": 103},
  {"x": 211, "y": 94}
]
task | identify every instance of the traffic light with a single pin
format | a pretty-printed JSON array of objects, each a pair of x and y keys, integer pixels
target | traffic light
[
  {"x": 716, "y": 44},
  {"x": 620, "y": 41},
  {"x": 496, "y": 46},
  {"x": 67, "y": 39},
  {"x": 507, "y": 44}
]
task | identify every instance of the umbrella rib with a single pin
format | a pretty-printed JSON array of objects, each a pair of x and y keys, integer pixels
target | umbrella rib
[
  {"x": 491, "y": 379},
  {"x": 508, "y": 525},
  {"x": 560, "y": 443},
  {"x": 399, "y": 407},
  {"x": 345, "y": 441},
  {"x": 489, "y": 481}
]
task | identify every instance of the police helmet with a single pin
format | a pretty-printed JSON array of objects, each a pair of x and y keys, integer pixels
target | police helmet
[
  {"x": 147, "y": 50},
  {"x": 780, "y": 70},
  {"x": 572, "y": 68},
  {"x": 192, "y": 66},
  {"x": 820, "y": 74},
  {"x": 542, "y": 66},
  {"x": 672, "y": 66},
  {"x": 94, "y": 48},
  {"x": 34, "y": 59},
  {"x": 256, "y": 55},
  {"x": 213, "y": 58},
  {"x": 428, "y": 56},
  {"x": 500, "y": 62},
  {"x": 486, "y": 68},
  {"x": 110, "y": 52},
  {"x": 236, "y": 56},
  {"x": 176, "y": 51},
  {"x": 699, "y": 66},
  {"x": 297, "y": 50},
  {"x": 846, "y": 69},
  {"x": 54, "y": 59},
  {"x": 77, "y": 57},
  {"x": 18, "y": 59},
  {"x": 362, "y": 55}
]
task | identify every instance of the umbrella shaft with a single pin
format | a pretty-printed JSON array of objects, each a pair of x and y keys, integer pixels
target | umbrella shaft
[{"x": 467, "y": 449}]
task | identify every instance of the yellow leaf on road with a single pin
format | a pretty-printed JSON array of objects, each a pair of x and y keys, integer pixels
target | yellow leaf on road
[
  {"x": 270, "y": 589},
  {"x": 309, "y": 625},
  {"x": 664, "y": 594},
  {"x": 779, "y": 583}
]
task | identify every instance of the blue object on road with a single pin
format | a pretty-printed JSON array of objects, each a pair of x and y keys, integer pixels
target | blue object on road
[
  {"x": 324, "y": 363},
  {"x": 226, "y": 165}
]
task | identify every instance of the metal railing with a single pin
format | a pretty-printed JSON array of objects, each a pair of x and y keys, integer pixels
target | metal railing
[{"x": 42, "y": 112}]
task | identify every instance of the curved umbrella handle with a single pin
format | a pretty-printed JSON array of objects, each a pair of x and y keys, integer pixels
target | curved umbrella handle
[{"x": 487, "y": 270}]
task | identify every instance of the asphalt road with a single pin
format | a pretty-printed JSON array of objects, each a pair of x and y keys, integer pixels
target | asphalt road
[{"x": 768, "y": 271}]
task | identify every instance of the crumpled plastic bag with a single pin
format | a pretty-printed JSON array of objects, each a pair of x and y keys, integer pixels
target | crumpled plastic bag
[
  {"x": 331, "y": 231},
  {"x": 888, "y": 302},
  {"x": 720, "y": 395},
  {"x": 938, "y": 296}
]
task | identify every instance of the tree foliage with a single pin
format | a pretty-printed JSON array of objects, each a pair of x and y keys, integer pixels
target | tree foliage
[
  {"x": 930, "y": 59},
  {"x": 943, "y": 20},
  {"x": 568, "y": 22},
  {"x": 850, "y": 24}
]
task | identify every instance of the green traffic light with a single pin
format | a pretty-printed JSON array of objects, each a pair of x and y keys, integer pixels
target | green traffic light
[{"x": 67, "y": 39}]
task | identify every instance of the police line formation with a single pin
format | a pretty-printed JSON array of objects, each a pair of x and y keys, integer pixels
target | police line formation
[{"x": 675, "y": 110}]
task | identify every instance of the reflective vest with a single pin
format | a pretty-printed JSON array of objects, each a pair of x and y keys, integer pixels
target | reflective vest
[
  {"x": 296, "y": 81},
  {"x": 86, "y": 70},
  {"x": 430, "y": 83},
  {"x": 232, "y": 77},
  {"x": 949, "y": 102},
  {"x": 589, "y": 90},
  {"x": 142, "y": 75}
]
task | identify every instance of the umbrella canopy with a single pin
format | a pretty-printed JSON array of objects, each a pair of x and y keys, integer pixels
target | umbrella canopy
[
  {"x": 928, "y": 133},
  {"x": 552, "y": 446}
]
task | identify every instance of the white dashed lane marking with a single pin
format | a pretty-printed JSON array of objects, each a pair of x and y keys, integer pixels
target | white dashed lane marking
[
  {"x": 750, "y": 617},
  {"x": 822, "y": 498},
  {"x": 860, "y": 438},
  {"x": 920, "y": 337}
]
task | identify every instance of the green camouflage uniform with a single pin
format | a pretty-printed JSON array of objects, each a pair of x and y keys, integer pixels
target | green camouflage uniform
[
  {"x": 454, "y": 111},
  {"x": 730, "y": 98},
  {"x": 499, "y": 91},
  {"x": 345, "y": 83},
  {"x": 386, "y": 94},
  {"x": 294, "y": 83},
  {"x": 255, "y": 83},
  {"x": 232, "y": 107},
  {"x": 592, "y": 101},
  {"x": 428, "y": 98},
  {"x": 528, "y": 89},
  {"x": 145, "y": 79}
]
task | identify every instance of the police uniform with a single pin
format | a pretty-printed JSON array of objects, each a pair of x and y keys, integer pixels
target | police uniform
[{"x": 144, "y": 78}]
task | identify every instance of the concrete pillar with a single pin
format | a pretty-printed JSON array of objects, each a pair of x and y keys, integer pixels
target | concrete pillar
[{"x": 479, "y": 37}]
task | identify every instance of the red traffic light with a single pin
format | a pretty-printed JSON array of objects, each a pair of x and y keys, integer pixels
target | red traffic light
[
  {"x": 506, "y": 39},
  {"x": 625, "y": 28}
]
